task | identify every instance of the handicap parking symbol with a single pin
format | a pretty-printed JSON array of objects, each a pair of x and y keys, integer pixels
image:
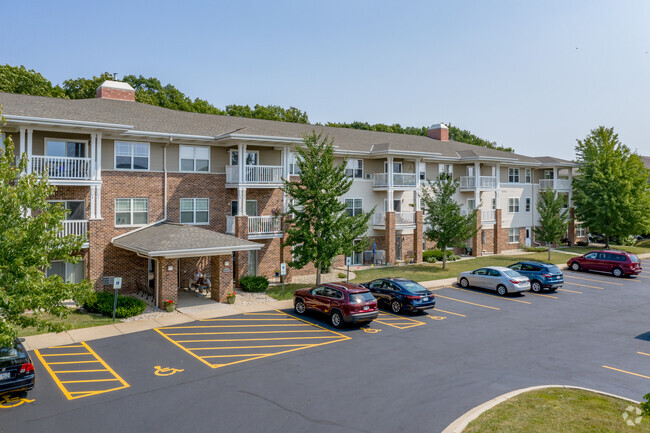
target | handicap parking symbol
[
  {"x": 166, "y": 371},
  {"x": 8, "y": 402}
]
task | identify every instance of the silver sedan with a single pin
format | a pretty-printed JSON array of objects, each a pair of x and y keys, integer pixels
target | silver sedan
[{"x": 503, "y": 280}]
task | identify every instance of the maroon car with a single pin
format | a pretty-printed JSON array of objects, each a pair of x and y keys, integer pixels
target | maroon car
[
  {"x": 343, "y": 303},
  {"x": 618, "y": 263}
]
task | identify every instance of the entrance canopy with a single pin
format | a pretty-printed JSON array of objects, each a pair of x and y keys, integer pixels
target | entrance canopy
[{"x": 172, "y": 240}]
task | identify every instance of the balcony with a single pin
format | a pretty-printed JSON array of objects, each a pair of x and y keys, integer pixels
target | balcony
[
  {"x": 402, "y": 220},
  {"x": 556, "y": 184},
  {"x": 400, "y": 180},
  {"x": 259, "y": 227},
  {"x": 484, "y": 182},
  {"x": 60, "y": 167},
  {"x": 255, "y": 175},
  {"x": 488, "y": 216},
  {"x": 75, "y": 227}
]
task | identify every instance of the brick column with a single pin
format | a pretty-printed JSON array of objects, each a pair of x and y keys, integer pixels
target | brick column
[
  {"x": 573, "y": 234},
  {"x": 95, "y": 255},
  {"x": 477, "y": 245},
  {"x": 418, "y": 237},
  {"x": 167, "y": 280},
  {"x": 390, "y": 237},
  {"x": 241, "y": 262},
  {"x": 222, "y": 277},
  {"x": 497, "y": 231},
  {"x": 285, "y": 252}
]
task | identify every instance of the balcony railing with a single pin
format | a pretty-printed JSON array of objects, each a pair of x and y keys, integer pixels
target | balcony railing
[
  {"x": 255, "y": 174},
  {"x": 59, "y": 167},
  {"x": 556, "y": 184},
  {"x": 488, "y": 215},
  {"x": 469, "y": 182},
  {"x": 75, "y": 227},
  {"x": 399, "y": 180},
  {"x": 401, "y": 218},
  {"x": 264, "y": 225}
]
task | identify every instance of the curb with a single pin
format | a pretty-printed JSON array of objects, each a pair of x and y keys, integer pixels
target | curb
[{"x": 459, "y": 425}]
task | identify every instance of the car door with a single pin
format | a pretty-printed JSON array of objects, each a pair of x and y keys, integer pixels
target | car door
[
  {"x": 492, "y": 279},
  {"x": 478, "y": 278},
  {"x": 317, "y": 299},
  {"x": 589, "y": 262},
  {"x": 376, "y": 289},
  {"x": 392, "y": 292},
  {"x": 603, "y": 262},
  {"x": 336, "y": 299}
]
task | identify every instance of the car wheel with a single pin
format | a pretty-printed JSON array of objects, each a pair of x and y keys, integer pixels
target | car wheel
[
  {"x": 395, "y": 306},
  {"x": 464, "y": 283},
  {"x": 300, "y": 306},
  {"x": 617, "y": 272},
  {"x": 336, "y": 319},
  {"x": 536, "y": 286},
  {"x": 575, "y": 266},
  {"x": 501, "y": 290}
]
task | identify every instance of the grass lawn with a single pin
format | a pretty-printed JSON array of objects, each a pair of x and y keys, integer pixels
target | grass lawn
[
  {"x": 585, "y": 250},
  {"x": 74, "y": 321},
  {"x": 427, "y": 271},
  {"x": 276, "y": 291},
  {"x": 558, "y": 410}
]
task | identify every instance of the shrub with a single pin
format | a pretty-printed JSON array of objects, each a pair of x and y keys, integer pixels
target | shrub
[
  {"x": 452, "y": 257},
  {"x": 253, "y": 284},
  {"x": 535, "y": 249},
  {"x": 582, "y": 243},
  {"x": 341, "y": 275},
  {"x": 627, "y": 241},
  {"x": 429, "y": 256},
  {"x": 437, "y": 254},
  {"x": 102, "y": 303},
  {"x": 644, "y": 243},
  {"x": 645, "y": 406}
]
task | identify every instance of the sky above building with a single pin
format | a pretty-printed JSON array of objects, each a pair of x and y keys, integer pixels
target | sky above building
[{"x": 534, "y": 76}]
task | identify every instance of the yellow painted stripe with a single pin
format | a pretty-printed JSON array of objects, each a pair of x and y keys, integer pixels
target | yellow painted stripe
[
  {"x": 53, "y": 375},
  {"x": 491, "y": 296},
  {"x": 89, "y": 380},
  {"x": 313, "y": 324},
  {"x": 72, "y": 362},
  {"x": 449, "y": 312},
  {"x": 400, "y": 317},
  {"x": 64, "y": 354},
  {"x": 540, "y": 294},
  {"x": 249, "y": 347},
  {"x": 246, "y": 332},
  {"x": 234, "y": 326},
  {"x": 643, "y": 276},
  {"x": 585, "y": 285},
  {"x": 595, "y": 280},
  {"x": 643, "y": 353},
  {"x": 246, "y": 320},
  {"x": 263, "y": 314},
  {"x": 257, "y": 339},
  {"x": 572, "y": 291},
  {"x": 627, "y": 372},
  {"x": 467, "y": 302},
  {"x": 65, "y": 347},
  {"x": 79, "y": 371}
]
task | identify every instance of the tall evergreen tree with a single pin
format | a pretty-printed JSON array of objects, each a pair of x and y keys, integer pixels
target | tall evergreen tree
[
  {"x": 611, "y": 192},
  {"x": 552, "y": 218},
  {"x": 30, "y": 242},
  {"x": 448, "y": 227},
  {"x": 320, "y": 228}
]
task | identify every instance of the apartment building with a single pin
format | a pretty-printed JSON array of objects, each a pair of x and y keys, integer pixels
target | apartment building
[{"x": 160, "y": 192}]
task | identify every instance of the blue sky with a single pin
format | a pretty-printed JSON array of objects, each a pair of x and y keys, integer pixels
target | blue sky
[{"x": 531, "y": 75}]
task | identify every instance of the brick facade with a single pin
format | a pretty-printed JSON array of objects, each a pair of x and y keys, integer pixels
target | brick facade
[
  {"x": 418, "y": 237},
  {"x": 389, "y": 245}
]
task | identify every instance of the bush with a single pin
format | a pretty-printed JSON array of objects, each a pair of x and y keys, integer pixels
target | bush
[
  {"x": 535, "y": 249},
  {"x": 102, "y": 303},
  {"x": 341, "y": 275},
  {"x": 437, "y": 254},
  {"x": 644, "y": 243},
  {"x": 645, "y": 406},
  {"x": 429, "y": 256},
  {"x": 627, "y": 241},
  {"x": 253, "y": 284},
  {"x": 582, "y": 243},
  {"x": 452, "y": 257}
]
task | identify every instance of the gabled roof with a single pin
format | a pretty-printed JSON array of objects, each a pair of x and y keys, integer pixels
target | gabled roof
[
  {"x": 172, "y": 240},
  {"x": 646, "y": 161}
]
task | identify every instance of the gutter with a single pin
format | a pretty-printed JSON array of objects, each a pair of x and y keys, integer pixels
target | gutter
[{"x": 64, "y": 122}]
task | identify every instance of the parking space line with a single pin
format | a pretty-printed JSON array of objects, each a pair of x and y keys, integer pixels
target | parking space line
[
  {"x": 643, "y": 353},
  {"x": 399, "y": 322},
  {"x": 214, "y": 352},
  {"x": 572, "y": 291},
  {"x": 540, "y": 294},
  {"x": 467, "y": 302},
  {"x": 643, "y": 276},
  {"x": 65, "y": 385},
  {"x": 449, "y": 312},
  {"x": 592, "y": 279},
  {"x": 627, "y": 372},
  {"x": 491, "y": 296},
  {"x": 585, "y": 285}
]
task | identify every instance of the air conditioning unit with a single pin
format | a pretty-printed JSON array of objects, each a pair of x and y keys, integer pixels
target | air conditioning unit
[{"x": 368, "y": 176}]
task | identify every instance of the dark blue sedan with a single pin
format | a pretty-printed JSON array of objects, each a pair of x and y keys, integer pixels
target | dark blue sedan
[
  {"x": 541, "y": 275},
  {"x": 400, "y": 294}
]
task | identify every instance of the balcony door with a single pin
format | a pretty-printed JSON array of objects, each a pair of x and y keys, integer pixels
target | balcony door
[
  {"x": 470, "y": 171},
  {"x": 251, "y": 207},
  {"x": 397, "y": 205},
  {"x": 76, "y": 209},
  {"x": 397, "y": 167},
  {"x": 64, "y": 148},
  {"x": 70, "y": 273}
]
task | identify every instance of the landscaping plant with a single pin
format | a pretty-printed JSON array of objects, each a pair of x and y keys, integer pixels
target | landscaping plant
[
  {"x": 251, "y": 283},
  {"x": 552, "y": 218},
  {"x": 127, "y": 306}
]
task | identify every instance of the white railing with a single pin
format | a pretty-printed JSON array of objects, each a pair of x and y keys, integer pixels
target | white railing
[
  {"x": 379, "y": 219},
  {"x": 264, "y": 225},
  {"x": 487, "y": 182},
  {"x": 59, "y": 167},
  {"x": 399, "y": 179},
  {"x": 467, "y": 182},
  {"x": 258, "y": 174},
  {"x": 230, "y": 225},
  {"x": 488, "y": 215},
  {"x": 401, "y": 218},
  {"x": 74, "y": 227},
  {"x": 557, "y": 184}
]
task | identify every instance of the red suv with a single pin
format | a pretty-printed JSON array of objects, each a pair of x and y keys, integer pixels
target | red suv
[
  {"x": 343, "y": 303},
  {"x": 619, "y": 263}
]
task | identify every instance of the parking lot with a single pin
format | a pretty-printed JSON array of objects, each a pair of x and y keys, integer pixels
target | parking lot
[{"x": 276, "y": 371}]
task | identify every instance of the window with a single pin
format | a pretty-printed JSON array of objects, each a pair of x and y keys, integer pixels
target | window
[
  {"x": 354, "y": 206},
  {"x": 548, "y": 174},
  {"x": 528, "y": 178},
  {"x": 513, "y": 205},
  {"x": 513, "y": 237},
  {"x": 471, "y": 204},
  {"x": 293, "y": 164},
  {"x": 194, "y": 211},
  {"x": 251, "y": 207},
  {"x": 354, "y": 168},
  {"x": 494, "y": 203},
  {"x": 527, "y": 204},
  {"x": 446, "y": 169},
  {"x": 397, "y": 167},
  {"x": 252, "y": 158},
  {"x": 580, "y": 231},
  {"x": 131, "y": 156},
  {"x": 70, "y": 273},
  {"x": 65, "y": 148},
  {"x": 513, "y": 175},
  {"x": 195, "y": 158},
  {"x": 423, "y": 171},
  {"x": 131, "y": 211},
  {"x": 76, "y": 209}
]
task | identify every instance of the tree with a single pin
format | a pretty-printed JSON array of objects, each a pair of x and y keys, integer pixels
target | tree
[
  {"x": 269, "y": 112},
  {"x": 611, "y": 192},
  {"x": 18, "y": 79},
  {"x": 552, "y": 218},
  {"x": 320, "y": 228},
  {"x": 448, "y": 227},
  {"x": 29, "y": 244},
  {"x": 84, "y": 88}
]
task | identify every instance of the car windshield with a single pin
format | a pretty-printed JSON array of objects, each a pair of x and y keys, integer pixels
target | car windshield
[
  {"x": 357, "y": 298},
  {"x": 634, "y": 258},
  {"x": 7, "y": 353},
  {"x": 511, "y": 274},
  {"x": 411, "y": 286}
]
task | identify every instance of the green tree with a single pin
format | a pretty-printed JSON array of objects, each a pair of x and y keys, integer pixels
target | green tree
[
  {"x": 448, "y": 227},
  {"x": 611, "y": 192},
  {"x": 29, "y": 244},
  {"x": 320, "y": 228},
  {"x": 268, "y": 112},
  {"x": 18, "y": 79},
  {"x": 84, "y": 88},
  {"x": 552, "y": 218},
  {"x": 645, "y": 406}
]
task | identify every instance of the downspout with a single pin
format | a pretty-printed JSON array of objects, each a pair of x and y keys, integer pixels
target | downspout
[
  {"x": 157, "y": 279},
  {"x": 165, "y": 175}
]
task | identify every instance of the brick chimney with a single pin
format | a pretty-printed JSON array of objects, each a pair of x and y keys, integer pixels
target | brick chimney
[
  {"x": 115, "y": 90},
  {"x": 439, "y": 131}
]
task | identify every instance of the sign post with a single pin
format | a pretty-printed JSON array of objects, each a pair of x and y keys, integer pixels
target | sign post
[
  {"x": 348, "y": 262},
  {"x": 117, "y": 285},
  {"x": 283, "y": 272}
]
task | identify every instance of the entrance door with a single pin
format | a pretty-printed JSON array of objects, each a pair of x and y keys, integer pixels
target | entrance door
[
  {"x": 357, "y": 257},
  {"x": 252, "y": 263},
  {"x": 527, "y": 236},
  {"x": 152, "y": 273},
  {"x": 398, "y": 248}
]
